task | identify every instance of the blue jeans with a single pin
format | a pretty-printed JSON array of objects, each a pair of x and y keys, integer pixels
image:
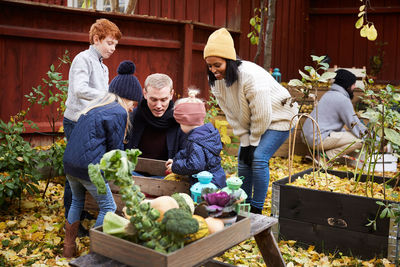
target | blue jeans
[
  {"x": 256, "y": 177},
  {"x": 79, "y": 186},
  {"x": 68, "y": 127}
]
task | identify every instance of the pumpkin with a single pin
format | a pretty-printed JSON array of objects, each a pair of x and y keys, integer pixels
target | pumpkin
[
  {"x": 202, "y": 232},
  {"x": 163, "y": 204},
  {"x": 214, "y": 224}
]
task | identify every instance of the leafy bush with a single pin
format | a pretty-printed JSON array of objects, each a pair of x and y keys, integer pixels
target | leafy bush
[{"x": 19, "y": 165}]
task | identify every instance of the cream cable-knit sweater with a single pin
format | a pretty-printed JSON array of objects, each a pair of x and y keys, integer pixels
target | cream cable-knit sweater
[{"x": 253, "y": 104}]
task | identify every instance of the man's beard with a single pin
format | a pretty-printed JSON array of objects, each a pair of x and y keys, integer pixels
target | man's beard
[{"x": 351, "y": 94}]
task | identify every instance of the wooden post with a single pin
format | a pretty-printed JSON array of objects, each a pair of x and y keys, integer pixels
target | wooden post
[{"x": 187, "y": 56}]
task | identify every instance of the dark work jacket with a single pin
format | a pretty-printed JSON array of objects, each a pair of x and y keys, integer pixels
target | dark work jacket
[
  {"x": 175, "y": 137},
  {"x": 201, "y": 153},
  {"x": 101, "y": 130}
]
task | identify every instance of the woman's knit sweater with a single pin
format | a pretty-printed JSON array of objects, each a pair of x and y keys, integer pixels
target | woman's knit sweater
[{"x": 255, "y": 103}]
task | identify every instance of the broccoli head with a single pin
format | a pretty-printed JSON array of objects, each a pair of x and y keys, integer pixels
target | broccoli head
[{"x": 180, "y": 222}]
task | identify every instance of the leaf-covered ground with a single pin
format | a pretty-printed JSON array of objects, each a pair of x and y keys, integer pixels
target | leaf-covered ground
[{"x": 32, "y": 233}]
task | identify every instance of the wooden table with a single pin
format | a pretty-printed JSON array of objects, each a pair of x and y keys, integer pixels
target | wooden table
[{"x": 260, "y": 229}]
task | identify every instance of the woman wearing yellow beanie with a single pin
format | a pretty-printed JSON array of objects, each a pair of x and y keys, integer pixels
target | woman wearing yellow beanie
[{"x": 257, "y": 107}]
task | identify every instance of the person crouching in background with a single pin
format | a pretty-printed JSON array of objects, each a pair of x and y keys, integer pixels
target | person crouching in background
[
  {"x": 102, "y": 127},
  {"x": 203, "y": 145}
]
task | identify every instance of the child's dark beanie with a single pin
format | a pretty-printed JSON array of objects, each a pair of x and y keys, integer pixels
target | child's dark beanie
[
  {"x": 345, "y": 78},
  {"x": 125, "y": 84}
]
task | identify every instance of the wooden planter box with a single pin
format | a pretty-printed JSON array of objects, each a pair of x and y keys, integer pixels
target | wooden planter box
[
  {"x": 150, "y": 186},
  {"x": 197, "y": 252},
  {"x": 332, "y": 221}
]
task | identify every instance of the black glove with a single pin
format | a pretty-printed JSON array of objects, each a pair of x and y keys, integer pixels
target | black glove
[{"x": 247, "y": 154}]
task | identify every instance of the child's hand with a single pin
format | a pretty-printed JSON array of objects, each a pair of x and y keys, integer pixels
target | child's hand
[{"x": 168, "y": 165}]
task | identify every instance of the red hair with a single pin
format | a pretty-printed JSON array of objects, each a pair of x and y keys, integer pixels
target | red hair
[{"x": 103, "y": 28}]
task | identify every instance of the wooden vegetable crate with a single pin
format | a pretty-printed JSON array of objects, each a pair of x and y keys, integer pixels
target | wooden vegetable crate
[
  {"x": 150, "y": 186},
  {"x": 194, "y": 253},
  {"x": 333, "y": 221}
]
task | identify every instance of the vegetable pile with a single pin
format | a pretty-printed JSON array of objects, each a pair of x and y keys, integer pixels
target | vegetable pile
[{"x": 163, "y": 229}]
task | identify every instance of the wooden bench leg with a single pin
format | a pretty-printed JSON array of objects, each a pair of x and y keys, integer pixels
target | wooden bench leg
[{"x": 269, "y": 249}]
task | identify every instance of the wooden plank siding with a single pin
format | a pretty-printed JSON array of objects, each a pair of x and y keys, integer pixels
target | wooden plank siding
[
  {"x": 33, "y": 36},
  {"x": 302, "y": 28},
  {"x": 288, "y": 40},
  {"x": 342, "y": 42}
]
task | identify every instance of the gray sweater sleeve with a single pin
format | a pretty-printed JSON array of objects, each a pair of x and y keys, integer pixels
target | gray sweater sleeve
[{"x": 349, "y": 117}]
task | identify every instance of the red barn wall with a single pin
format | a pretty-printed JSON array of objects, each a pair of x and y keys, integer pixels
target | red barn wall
[
  {"x": 331, "y": 31},
  {"x": 33, "y": 36}
]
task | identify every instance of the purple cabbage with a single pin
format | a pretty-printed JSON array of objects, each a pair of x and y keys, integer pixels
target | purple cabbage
[{"x": 220, "y": 199}]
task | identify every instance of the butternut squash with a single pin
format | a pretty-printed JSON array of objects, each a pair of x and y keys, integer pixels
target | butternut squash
[
  {"x": 163, "y": 204},
  {"x": 202, "y": 232}
]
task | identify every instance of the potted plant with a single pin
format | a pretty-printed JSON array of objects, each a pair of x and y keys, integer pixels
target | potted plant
[
  {"x": 376, "y": 61},
  {"x": 222, "y": 205}
]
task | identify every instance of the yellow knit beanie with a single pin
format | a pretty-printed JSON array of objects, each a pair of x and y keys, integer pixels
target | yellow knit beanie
[{"x": 220, "y": 44}]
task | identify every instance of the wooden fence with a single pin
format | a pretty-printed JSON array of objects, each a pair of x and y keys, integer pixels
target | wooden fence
[{"x": 32, "y": 37}]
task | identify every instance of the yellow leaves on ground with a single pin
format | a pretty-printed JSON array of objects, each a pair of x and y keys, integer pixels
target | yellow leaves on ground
[
  {"x": 34, "y": 235},
  {"x": 328, "y": 182},
  {"x": 297, "y": 256},
  {"x": 26, "y": 204}
]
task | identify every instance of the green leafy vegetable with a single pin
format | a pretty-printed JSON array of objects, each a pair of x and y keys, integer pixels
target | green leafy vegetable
[{"x": 143, "y": 227}]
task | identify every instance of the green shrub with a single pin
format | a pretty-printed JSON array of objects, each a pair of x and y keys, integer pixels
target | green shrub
[{"x": 19, "y": 164}]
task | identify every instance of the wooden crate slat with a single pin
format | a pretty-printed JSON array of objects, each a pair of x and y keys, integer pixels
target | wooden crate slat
[{"x": 197, "y": 252}]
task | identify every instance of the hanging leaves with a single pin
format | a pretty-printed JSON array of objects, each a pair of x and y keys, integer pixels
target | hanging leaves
[{"x": 367, "y": 28}]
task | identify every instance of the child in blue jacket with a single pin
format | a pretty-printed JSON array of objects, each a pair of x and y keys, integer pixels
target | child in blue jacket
[
  {"x": 101, "y": 127},
  {"x": 203, "y": 145}
]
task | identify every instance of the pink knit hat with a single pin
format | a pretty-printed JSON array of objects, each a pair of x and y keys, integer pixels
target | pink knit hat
[{"x": 190, "y": 113}]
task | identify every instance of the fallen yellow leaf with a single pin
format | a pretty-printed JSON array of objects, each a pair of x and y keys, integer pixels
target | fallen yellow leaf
[{"x": 37, "y": 236}]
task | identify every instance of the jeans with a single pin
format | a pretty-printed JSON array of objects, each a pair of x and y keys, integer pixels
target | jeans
[
  {"x": 68, "y": 127},
  {"x": 256, "y": 177},
  {"x": 79, "y": 186}
]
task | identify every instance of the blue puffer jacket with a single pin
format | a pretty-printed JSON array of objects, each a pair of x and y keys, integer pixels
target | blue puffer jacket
[
  {"x": 99, "y": 131},
  {"x": 201, "y": 153}
]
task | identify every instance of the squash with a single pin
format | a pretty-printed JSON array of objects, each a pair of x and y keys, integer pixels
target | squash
[
  {"x": 202, "y": 232},
  {"x": 163, "y": 204},
  {"x": 214, "y": 224},
  {"x": 184, "y": 201},
  {"x": 124, "y": 213}
]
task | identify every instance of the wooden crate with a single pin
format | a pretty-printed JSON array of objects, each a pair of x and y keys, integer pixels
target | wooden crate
[
  {"x": 150, "y": 186},
  {"x": 197, "y": 252},
  {"x": 332, "y": 221}
]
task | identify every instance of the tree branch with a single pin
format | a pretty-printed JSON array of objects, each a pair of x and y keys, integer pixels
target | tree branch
[{"x": 268, "y": 34}]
